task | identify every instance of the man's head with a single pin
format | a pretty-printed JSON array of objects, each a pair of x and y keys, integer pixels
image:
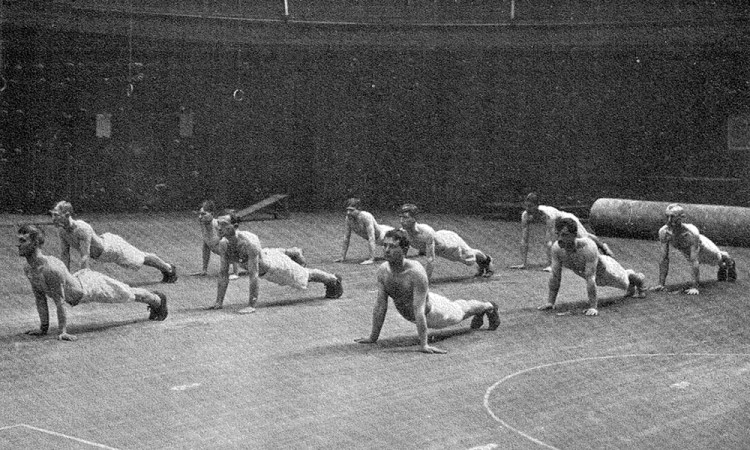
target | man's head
[
  {"x": 30, "y": 238},
  {"x": 407, "y": 215},
  {"x": 567, "y": 230},
  {"x": 228, "y": 223},
  {"x": 61, "y": 213},
  {"x": 531, "y": 203},
  {"x": 206, "y": 213},
  {"x": 675, "y": 215},
  {"x": 353, "y": 206},
  {"x": 395, "y": 245}
]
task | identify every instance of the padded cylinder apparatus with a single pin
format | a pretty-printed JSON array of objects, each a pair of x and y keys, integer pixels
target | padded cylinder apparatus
[{"x": 725, "y": 225}]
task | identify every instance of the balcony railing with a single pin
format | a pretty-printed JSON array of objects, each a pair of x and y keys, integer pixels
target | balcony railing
[{"x": 444, "y": 12}]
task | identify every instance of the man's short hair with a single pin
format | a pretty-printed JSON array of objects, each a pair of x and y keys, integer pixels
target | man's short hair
[
  {"x": 566, "y": 222},
  {"x": 208, "y": 205},
  {"x": 532, "y": 198},
  {"x": 409, "y": 208},
  {"x": 234, "y": 219},
  {"x": 399, "y": 236},
  {"x": 35, "y": 234},
  {"x": 354, "y": 203},
  {"x": 62, "y": 207},
  {"x": 675, "y": 210}
]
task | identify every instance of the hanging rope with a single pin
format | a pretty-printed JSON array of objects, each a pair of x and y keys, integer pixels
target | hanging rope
[
  {"x": 3, "y": 81},
  {"x": 130, "y": 88},
  {"x": 238, "y": 94}
]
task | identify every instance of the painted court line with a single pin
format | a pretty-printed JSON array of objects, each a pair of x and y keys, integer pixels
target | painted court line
[
  {"x": 571, "y": 361},
  {"x": 54, "y": 433}
]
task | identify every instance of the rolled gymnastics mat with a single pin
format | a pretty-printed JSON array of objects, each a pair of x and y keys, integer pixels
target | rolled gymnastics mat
[{"x": 725, "y": 225}]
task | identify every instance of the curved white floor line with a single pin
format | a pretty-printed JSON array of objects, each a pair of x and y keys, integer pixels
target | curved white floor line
[{"x": 572, "y": 361}]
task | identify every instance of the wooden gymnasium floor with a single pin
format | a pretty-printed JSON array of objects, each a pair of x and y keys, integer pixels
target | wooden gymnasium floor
[{"x": 668, "y": 371}]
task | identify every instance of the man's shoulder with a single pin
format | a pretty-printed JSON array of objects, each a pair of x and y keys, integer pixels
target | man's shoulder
[
  {"x": 52, "y": 264},
  {"x": 423, "y": 228},
  {"x": 82, "y": 228},
  {"x": 249, "y": 240},
  {"x": 82, "y": 224},
  {"x": 692, "y": 229},
  {"x": 588, "y": 245},
  {"x": 415, "y": 268},
  {"x": 248, "y": 236},
  {"x": 550, "y": 211},
  {"x": 664, "y": 233}
]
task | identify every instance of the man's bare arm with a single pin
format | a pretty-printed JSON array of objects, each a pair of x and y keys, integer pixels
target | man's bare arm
[
  {"x": 378, "y": 314},
  {"x": 663, "y": 267},
  {"x": 252, "y": 273},
  {"x": 554, "y": 280},
  {"x": 592, "y": 260},
  {"x": 206, "y": 253},
  {"x": 223, "y": 281},
  {"x": 371, "y": 241},
  {"x": 345, "y": 244},
  {"x": 430, "y": 253},
  {"x": 43, "y": 310},
  {"x": 57, "y": 294},
  {"x": 420, "y": 287},
  {"x": 64, "y": 250},
  {"x": 524, "y": 250},
  {"x": 85, "y": 248},
  {"x": 695, "y": 249}
]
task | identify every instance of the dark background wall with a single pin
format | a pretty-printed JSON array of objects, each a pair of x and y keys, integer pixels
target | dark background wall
[{"x": 449, "y": 129}]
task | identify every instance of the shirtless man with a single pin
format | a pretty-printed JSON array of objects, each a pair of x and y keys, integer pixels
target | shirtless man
[
  {"x": 405, "y": 281},
  {"x": 210, "y": 234},
  {"x": 280, "y": 266},
  {"x": 581, "y": 255},
  {"x": 443, "y": 243},
  {"x": 363, "y": 224},
  {"x": 696, "y": 247},
  {"x": 536, "y": 213},
  {"x": 108, "y": 247},
  {"x": 50, "y": 278}
]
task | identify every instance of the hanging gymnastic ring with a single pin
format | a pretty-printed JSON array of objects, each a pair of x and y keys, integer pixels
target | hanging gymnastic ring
[
  {"x": 238, "y": 94},
  {"x": 129, "y": 90}
]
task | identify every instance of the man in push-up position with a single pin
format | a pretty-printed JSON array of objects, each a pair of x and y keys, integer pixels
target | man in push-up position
[
  {"x": 581, "y": 255},
  {"x": 405, "y": 281},
  {"x": 108, "y": 247},
  {"x": 697, "y": 248},
  {"x": 50, "y": 278},
  {"x": 281, "y": 266}
]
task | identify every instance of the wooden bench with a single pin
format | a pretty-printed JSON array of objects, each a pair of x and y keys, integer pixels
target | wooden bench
[{"x": 262, "y": 210}]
